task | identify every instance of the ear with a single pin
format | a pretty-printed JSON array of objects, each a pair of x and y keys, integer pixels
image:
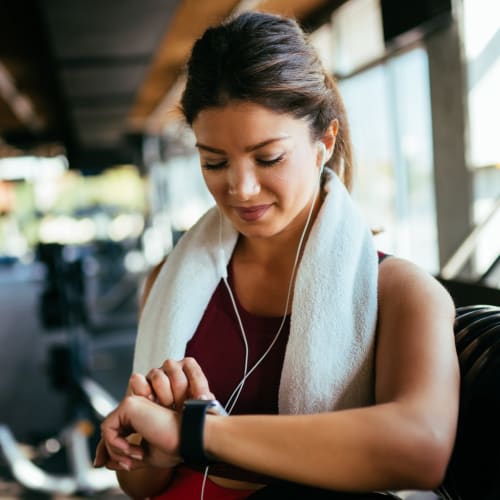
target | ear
[{"x": 329, "y": 137}]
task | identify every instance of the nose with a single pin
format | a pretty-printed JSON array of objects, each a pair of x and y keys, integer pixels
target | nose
[{"x": 243, "y": 182}]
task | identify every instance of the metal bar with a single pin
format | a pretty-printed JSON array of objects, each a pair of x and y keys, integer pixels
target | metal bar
[{"x": 457, "y": 261}]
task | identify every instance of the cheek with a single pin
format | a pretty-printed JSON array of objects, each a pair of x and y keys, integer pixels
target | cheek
[
  {"x": 281, "y": 185},
  {"x": 298, "y": 177}
]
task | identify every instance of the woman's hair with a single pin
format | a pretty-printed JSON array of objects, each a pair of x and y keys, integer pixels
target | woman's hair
[{"x": 268, "y": 60}]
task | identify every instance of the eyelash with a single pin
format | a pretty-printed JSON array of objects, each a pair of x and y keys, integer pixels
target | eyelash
[
  {"x": 214, "y": 166},
  {"x": 274, "y": 161},
  {"x": 263, "y": 163}
]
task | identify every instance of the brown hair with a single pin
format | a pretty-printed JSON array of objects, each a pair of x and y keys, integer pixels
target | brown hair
[{"x": 268, "y": 60}]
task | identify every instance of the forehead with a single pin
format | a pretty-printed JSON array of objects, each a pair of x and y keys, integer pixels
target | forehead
[{"x": 243, "y": 123}]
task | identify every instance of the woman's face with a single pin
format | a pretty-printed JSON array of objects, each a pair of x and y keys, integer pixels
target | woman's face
[{"x": 260, "y": 166}]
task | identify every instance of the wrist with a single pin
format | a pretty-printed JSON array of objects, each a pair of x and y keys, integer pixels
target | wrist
[{"x": 211, "y": 422}]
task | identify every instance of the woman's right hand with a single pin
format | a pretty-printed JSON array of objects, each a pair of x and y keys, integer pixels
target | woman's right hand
[
  {"x": 168, "y": 387},
  {"x": 173, "y": 383},
  {"x": 158, "y": 427}
]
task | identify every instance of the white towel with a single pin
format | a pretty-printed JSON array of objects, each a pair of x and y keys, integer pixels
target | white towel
[{"x": 330, "y": 352}]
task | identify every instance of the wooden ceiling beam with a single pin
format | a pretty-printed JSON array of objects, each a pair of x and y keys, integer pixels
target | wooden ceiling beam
[{"x": 299, "y": 9}]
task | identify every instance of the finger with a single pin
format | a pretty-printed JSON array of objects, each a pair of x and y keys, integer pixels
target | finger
[
  {"x": 116, "y": 428},
  {"x": 101, "y": 454},
  {"x": 115, "y": 452},
  {"x": 116, "y": 446},
  {"x": 198, "y": 383},
  {"x": 139, "y": 386},
  {"x": 112, "y": 465},
  {"x": 162, "y": 389},
  {"x": 179, "y": 382},
  {"x": 124, "y": 464}
]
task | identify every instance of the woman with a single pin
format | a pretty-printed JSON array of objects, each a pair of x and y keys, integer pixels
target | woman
[{"x": 339, "y": 372}]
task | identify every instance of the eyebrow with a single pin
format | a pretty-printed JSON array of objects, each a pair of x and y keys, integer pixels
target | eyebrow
[{"x": 248, "y": 149}]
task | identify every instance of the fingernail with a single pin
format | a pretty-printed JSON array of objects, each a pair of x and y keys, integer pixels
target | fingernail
[
  {"x": 205, "y": 397},
  {"x": 136, "y": 457},
  {"x": 124, "y": 465}
]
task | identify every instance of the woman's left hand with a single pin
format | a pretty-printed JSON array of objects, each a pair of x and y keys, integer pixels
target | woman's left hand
[{"x": 173, "y": 383}]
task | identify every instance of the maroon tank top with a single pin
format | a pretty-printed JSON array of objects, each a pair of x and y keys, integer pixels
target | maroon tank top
[{"x": 218, "y": 347}]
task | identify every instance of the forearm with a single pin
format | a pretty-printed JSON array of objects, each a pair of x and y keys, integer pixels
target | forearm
[
  {"x": 142, "y": 483},
  {"x": 373, "y": 448}
]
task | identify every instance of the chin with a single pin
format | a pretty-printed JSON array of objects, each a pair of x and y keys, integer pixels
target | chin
[{"x": 264, "y": 231}]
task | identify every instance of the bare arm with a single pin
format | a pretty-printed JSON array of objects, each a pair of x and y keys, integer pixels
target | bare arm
[{"x": 404, "y": 440}]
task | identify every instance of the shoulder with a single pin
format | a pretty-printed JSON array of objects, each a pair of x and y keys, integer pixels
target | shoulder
[{"x": 405, "y": 286}]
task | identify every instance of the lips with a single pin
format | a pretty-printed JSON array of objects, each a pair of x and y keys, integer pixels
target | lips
[{"x": 251, "y": 214}]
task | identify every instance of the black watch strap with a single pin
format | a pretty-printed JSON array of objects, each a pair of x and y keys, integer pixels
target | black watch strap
[{"x": 192, "y": 426}]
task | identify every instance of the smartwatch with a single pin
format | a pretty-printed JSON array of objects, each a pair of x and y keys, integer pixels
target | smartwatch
[{"x": 192, "y": 425}]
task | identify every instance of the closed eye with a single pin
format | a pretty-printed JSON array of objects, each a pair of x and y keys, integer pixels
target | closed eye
[
  {"x": 214, "y": 166},
  {"x": 273, "y": 161}
]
